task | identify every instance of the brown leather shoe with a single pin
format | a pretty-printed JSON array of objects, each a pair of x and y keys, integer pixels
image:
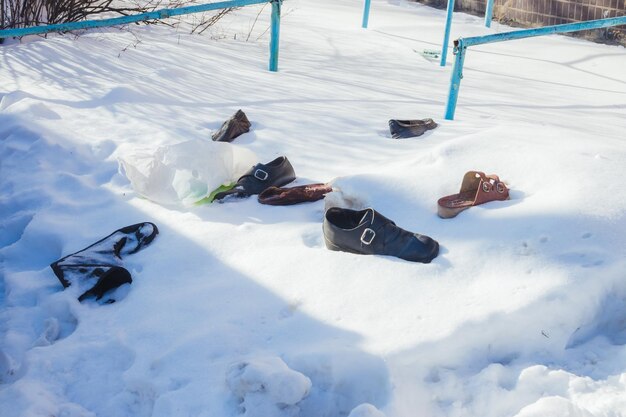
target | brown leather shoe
[
  {"x": 477, "y": 188},
  {"x": 276, "y": 196},
  {"x": 237, "y": 125}
]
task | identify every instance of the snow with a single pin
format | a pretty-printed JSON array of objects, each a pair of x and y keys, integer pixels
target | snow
[{"x": 238, "y": 308}]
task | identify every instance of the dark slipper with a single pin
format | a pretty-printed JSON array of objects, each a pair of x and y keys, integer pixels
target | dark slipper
[
  {"x": 276, "y": 196},
  {"x": 99, "y": 267},
  {"x": 368, "y": 232},
  {"x": 237, "y": 125},
  {"x": 402, "y": 129},
  {"x": 276, "y": 173}
]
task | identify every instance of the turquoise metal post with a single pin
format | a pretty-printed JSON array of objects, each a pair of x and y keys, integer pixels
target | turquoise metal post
[
  {"x": 274, "y": 41},
  {"x": 488, "y": 13},
  {"x": 446, "y": 36},
  {"x": 366, "y": 13},
  {"x": 455, "y": 81}
]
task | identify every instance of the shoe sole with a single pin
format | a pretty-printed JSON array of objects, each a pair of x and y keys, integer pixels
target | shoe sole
[
  {"x": 427, "y": 260},
  {"x": 448, "y": 213},
  {"x": 333, "y": 247}
]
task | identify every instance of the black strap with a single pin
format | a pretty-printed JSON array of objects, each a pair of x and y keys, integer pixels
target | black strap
[{"x": 110, "y": 280}]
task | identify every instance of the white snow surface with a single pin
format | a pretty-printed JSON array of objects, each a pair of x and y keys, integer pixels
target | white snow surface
[{"x": 238, "y": 308}]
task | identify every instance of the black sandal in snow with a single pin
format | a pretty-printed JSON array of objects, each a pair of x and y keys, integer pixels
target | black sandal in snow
[{"x": 98, "y": 268}]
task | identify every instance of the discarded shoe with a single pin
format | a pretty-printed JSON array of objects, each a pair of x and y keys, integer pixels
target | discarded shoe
[
  {"x": 368, "y": 232},
  {"x": 98, "y": 268},
  {"x": 402, "y": 129},
  {"x": 477, "y": 188},
  {"x": 237, "y": 125},
  {"x": 276, "y": 196},
  {"x": 276, "y": 173}
]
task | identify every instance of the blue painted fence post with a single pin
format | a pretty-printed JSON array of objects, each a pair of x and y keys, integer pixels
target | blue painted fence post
[
  {"x": 455, "y": 82},
  {"x": 488, "y": 13},
  {"x": 446, "y": 36},
  {"x": 274, "y": 42},
  {"x": 366, "y": 13}
]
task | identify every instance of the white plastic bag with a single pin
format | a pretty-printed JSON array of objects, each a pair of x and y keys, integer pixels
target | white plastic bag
[{"x": 186, "y": 172}]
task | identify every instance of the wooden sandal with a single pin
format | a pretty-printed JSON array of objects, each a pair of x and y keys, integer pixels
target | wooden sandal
[{"x": 477, "y": 188}]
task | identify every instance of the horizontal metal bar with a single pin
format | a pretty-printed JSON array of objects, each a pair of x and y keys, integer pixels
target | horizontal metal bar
[
  {"x": 461, "y": 44},
  {"x": 547, "y": 30},
  {"x": 157, "y": 14}
]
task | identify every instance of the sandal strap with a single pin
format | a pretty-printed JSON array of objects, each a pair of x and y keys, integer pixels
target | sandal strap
[{"x": 490, "y": 188}]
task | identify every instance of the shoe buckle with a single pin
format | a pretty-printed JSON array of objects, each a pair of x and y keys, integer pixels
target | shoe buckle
[
  {"x": 368, "y": 236},
  {"x": 261, "y": 175}
]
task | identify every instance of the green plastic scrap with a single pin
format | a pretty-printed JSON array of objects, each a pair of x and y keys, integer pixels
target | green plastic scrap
[{"x": 211, "y": 197}]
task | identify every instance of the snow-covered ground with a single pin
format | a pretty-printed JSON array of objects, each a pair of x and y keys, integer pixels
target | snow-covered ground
[{"x": 238, "y": 308}]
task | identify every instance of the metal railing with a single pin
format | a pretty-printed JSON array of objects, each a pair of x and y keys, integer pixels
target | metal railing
[
  {"x": 461, "y": 45},
  {"x": 446, "y": 32},
  {"x": 160, "y": 14},
  {"x": 488, "y": 13}
]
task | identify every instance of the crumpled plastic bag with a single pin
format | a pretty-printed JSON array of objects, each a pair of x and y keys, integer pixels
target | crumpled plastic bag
[{"x": 185, "y": 172}]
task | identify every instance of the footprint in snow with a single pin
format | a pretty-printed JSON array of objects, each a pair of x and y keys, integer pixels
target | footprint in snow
[
  {"x": 9, "y": 370},
  {"x": 60, "y": 324},
  {"x": 12, "y": 229},
  {"x": 267, "y": 387}
]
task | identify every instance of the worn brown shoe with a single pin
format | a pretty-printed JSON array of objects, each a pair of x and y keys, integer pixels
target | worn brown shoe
[
  {"x": 276, "y": 196},
  {"x": 237, "y": 125}
]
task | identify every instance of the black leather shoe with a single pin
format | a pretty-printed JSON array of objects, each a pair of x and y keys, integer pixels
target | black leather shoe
[
  {"x": 368, "y": 232},
  {"x": 402, "y": 129},
  {"x": 277, "y": 173},
  {"x": 237, "y": 125}
]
